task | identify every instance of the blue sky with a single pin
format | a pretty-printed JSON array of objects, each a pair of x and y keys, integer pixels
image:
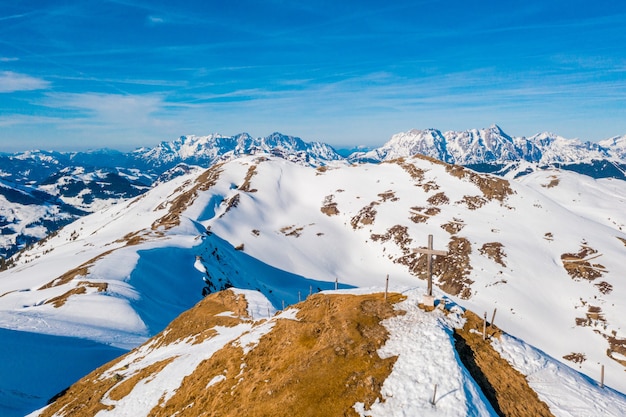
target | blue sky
[{"x": 125, "y": 73}]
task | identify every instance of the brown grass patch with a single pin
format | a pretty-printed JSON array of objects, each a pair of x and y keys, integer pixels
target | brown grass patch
[
  {"x": 493, "y": 250},
  {"x": 246, "y": 182},
  {"x": 593, "y": 317},
  {"x": 622, "y": 240},
  {"x": 575, "y": 357},
  {"x": 388, "y": 195},
  {"x": 578, "y": 266},
  {"x": 399, "y": 234},
  {"x": 438, "y": 199},
  {"x": 554, "y": 181},
  {"x": 231, "y": 203},
  {"x": 292, "y": 231},
  {"x": 366, "y": 215},
  {"x": 205, "y": 181},
  {"x": 126, "y": 385},
  {"x": 81, "y": 288},
  {"x": 616, "y": 345},
  {"x": 83, "y": 398},
  {"x": 473, "y": 202},
  {"x": 204, "y": 316},
  {"x": 548, "y": 236},
  {"x": 506, "y": 389},
  {"x": 417, "y": 174},
  {"x": 604, "y": 287},
  {"x": 492, "y": 187},
  {"x": 453, "y": 270},
  {"x": 321, "y": 364},
  {"x": 81, "y": 270},
  {"x": 453, "y": 227},
  {"x": 329, "y": 207}
]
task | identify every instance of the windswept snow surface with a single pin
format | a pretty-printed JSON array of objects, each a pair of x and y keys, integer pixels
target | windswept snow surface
[
  {"x": 567, "y": 392},
  {"x": 427, "y": 361}
]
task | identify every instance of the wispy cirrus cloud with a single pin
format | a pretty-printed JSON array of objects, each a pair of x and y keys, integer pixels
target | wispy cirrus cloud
[{"x": 12, "y": 81}]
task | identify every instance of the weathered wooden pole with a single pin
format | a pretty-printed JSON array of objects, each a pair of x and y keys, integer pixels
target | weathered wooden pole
[
  {"x": 493, "y": 316},
  {"x": 299, "y": 297},
  {"x": 602, "y": 376},
  {"x": 336, "y": 283},
  {"x": 283, "y": 304},
  {"x": 485, "y": 326},
  {"x": 429, "y": 265},
  {"x": 386, "y": 286},
  {"x": 310, "y": 290},
  {"x": 433, "y": 401}
]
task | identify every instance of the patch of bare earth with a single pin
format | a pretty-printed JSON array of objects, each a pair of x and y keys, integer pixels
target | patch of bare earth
[
  {"x": 399, "y": 234},
  {"x": 622, "y": 240},
  {"x": 493, "y": 250},
  {"x": 506, "y": 389},
  {"x": 604, "y": 287},
  {"x": 417, "y": 174},
  {"x": 451, "y": 272},
  {"x": 578, "y": 265},
  {"x": 81, "y": 288},
  {"x": 231, "y": 203},
  {"x": 593, "y": 317},
  {"x": 365, "y": 216},
  {"x": 422, "y": 214},
  {"x": 292, "y": 231},
  {"x": 473, "y": 202},
  {"x": 388, "y": 195},
  {"x": 329, "y": 206},
  {"x": 453, "y": 227},
  {"x": 438, "y": 199},
  {"x": 616, "y": 345},
  {"x": 492, "y": 187},
  {"x": 554, "y": 181},
  {"x": 575, "y": 357},
  {"x": 205, "y": 181},
  {"x": 246, "y": 182}
]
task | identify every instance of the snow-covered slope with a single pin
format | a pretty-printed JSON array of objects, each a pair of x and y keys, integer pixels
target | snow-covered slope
[{"x": 536, "y": 250}]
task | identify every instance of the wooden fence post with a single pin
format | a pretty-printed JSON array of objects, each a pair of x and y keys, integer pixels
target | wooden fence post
[
  {"x": 386, "y": 286},
  {"x": 485, "y": 326},
  {"x": 493, "y": 317},
  {"x": 602, "y": 377}
]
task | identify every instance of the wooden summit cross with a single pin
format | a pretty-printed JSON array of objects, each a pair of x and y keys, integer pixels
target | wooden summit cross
[{"x": 429, "y": 252}]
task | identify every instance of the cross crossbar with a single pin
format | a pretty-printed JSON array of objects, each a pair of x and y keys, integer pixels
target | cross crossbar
[{"x": 429, "y": 252}]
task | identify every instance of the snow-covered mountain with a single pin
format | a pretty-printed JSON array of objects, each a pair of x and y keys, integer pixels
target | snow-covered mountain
[
  {"x": 543, "y": 253},
  {"x": 482, "y": 149},
  {"x": 71, "y": 184},
  {"x": 207, "y": 150}
]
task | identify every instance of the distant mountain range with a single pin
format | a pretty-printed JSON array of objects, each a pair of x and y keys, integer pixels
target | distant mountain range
[{"x": 67, "y": 185}]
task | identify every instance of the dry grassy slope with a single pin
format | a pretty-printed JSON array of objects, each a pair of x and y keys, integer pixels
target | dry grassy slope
[{"x": 320, "y": 364}]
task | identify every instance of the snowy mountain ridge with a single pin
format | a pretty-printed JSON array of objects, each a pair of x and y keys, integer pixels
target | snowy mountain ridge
[
  {"x": 120, "y": 275},
  {"x": 493, "y": 145}
]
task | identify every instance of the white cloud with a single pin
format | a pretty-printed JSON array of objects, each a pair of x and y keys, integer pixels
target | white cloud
[
  {"x": 155, "y": 20},
  {"x": 12, "y": 81},
  {"x": 8, "y": 59}
]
